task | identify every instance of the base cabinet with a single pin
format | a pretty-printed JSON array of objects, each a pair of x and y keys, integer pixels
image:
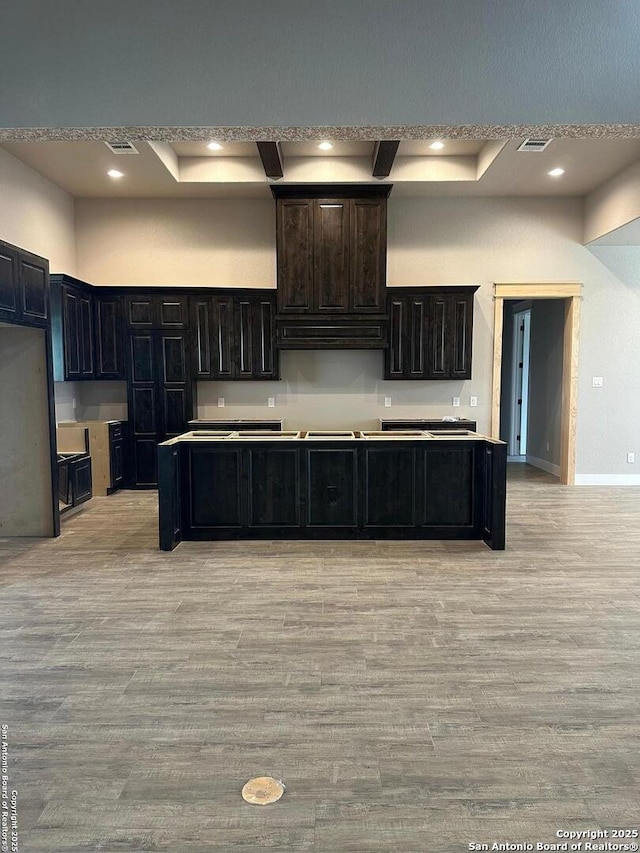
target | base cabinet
[{"x": 415, "y": 489}]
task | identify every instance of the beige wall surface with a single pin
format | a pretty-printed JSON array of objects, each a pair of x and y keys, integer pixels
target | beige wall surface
[
  {"x": 26, "y": 507},
  {"x": 613, "y": 205},
  {"x": 430, "y": 241},
  {"x": 195, "y": 242},
  {"x": 36, "y": 215}
]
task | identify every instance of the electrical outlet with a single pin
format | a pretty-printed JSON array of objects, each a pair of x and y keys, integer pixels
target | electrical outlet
[
  {"x": 473, "y": 401},
  {"x": 221, "y": 402},
  {"x": 631, "y": 457},
  {"x": 387, "y": 402},
  {"x": 271, "y": 402},
  {"x": 597, "y": 381},
  {"x": 456, "y": 401}
]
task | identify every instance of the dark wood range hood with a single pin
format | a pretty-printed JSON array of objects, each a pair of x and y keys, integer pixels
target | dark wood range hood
[{"x": 332, "y": 266}]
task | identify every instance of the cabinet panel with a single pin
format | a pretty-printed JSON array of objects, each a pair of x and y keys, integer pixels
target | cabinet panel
[
  {"x": 461, "y": 333},
  {"x": 202, "y": 354},
  {"x": 222, "y": 362},
  {"x": 438, "y": 367},
  {"x": 175, "y": 409},
  {"x": 331, "y": 255},
  {"x": 85, "y": 335},
  {"x": 448, "y": 499},
  {"x": 390, "y": 487},
  {"x": 80, "y": 480},
  {"x": 295, "y": 255},
  {"x": 34, "y": 280},
  {"x": 172, "y": 312},
  {"x": 145, "y": 463},
  {"x": 243, "y": 338},
  {"x": 71, "y": 331},
  {"x": 139, "y": 311},
  {"x": 8, "y": 280},
  {"x": 117, "y": 463},
  {"x": 142, "y": 360},
  {"x": 108, "y": 339},
  {"x": 274, "y": 487},
  {"x": 143, "y": 410},
  {"x": 394, "y": 354},
  {"x": 174, "y": 358},
  {"x": 263, "y": 324},
  {"x": 215, "y": 487},
  {"x": 368, "y": 255},
  {"x": 331, "y": 488},
  {"x": 416, "y": 337}
]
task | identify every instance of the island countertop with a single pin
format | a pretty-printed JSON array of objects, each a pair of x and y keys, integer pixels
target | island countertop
[{"x": 332, "y": 484}]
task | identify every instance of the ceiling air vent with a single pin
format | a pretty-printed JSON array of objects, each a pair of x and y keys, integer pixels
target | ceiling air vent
[
  {"x": 534, "y": 144},
  {"x": 122, "y": 147}
]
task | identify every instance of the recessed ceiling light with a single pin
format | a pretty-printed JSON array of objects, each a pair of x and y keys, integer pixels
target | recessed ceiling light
[
  {"x": 555, "y": 173},
  {"x": 114, "y": 173},
  {"x": 437, "y": 146},
  {"x": 325, "y": 146},
  {"x": 214, "y": 146}
]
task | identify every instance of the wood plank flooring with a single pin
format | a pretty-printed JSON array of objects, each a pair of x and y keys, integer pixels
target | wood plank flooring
[{"x": 413, "y": 696}]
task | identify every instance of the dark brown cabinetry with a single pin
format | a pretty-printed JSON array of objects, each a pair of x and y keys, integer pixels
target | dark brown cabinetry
[
  {"x": 234, "y": 335},
  {"x": 430, "y": 333},
  {"x": 116, "y": 456},
  {"x": 24, "y": 287},
  {"x": 109, "y": 347},
  {"x": 331, "y": 248},
  {"x": 159, "y": 386},
  {"x": 387, "y": 424},
  {"x": 72, "y": 328}
]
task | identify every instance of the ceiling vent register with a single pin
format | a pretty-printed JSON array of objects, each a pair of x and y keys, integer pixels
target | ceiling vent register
[
  {"x": 122, "y": 148},
  {"x": 533, "y": 145}
]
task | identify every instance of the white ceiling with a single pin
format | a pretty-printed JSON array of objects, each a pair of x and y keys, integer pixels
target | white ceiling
[{"x": 462, "y": 168}]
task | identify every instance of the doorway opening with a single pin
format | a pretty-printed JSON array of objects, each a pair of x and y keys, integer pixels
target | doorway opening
[{"x": 556, "y": 409}]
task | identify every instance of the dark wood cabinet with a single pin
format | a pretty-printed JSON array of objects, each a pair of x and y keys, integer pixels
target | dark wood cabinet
[
  {"x": 234, "y": 335},
  {"x": 160, "y": 397},
  {"x": 72, "y": 329},
  {"x": 387, "y": 424},
  {"x": 116, "y": 456},
  {"x": 155, "y": 310},
  {"x": 430, "y": 333},
  {"x": 331, "y": 247},
  {"x": 109, "y": 355},
  {"x": 331, "y": 264},
  {"x": 24, "y": 287}
]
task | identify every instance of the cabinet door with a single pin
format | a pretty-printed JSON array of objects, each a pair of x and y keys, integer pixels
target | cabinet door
[
  {"x": 263, "y": 325},
  {"x": 9, "y": 298},
  {"x": 331, "y": 241},
  {"x": 416, "y": 337},
  {"x": 85, "y": 333},
  {"x": 80, "y": 476},
  {"x": 461, "y": 331},
  {"x": 171, "y": 312},
  {"x": 71, "y": 333},
  {"x": 243, "y": 328},
  {"x": 394, "y": 357},
  {"x": 174, "y": 384},
  {"x": 295, "y": 255},
  {"x": 144, "y": 425},
  {"x": 368, "y": 255},
  {"x": 222, "y": 348},
  {"x": 139, "y": 311},
  {"x": 117, "y": 463},
  {"x": 332, "y": 495},
  {"x": 202, "y": 335},
  {"x": 33, "y": 276},
  {"x": 439, "y": 345},
  {"x": 108, "y": 338}
]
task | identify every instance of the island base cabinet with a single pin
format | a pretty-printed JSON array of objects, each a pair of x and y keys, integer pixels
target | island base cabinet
[{"x": 445, "y": 489}]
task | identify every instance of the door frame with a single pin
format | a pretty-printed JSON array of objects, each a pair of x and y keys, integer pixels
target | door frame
[{"x": 571, "y": 293}]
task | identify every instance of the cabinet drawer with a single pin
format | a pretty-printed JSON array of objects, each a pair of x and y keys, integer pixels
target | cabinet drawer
[{"x": 115, "y": 431}]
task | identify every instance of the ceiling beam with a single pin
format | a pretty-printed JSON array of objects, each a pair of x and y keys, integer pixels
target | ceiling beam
[
  {"x": 271, "y": 157},
  {"x": 384, "y": 153}
]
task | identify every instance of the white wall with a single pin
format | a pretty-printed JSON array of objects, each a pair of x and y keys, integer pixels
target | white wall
[
  {"x": 431, "y": 241},
  {"x": 208, "y": 242},
  {"x": 36, "y": 215}
]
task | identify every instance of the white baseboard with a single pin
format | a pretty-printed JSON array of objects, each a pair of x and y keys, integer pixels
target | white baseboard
[
  {"x": 549, "y": 467},
  {"x": 607, "y": 480},
  {"x": 522, "y": 459}
]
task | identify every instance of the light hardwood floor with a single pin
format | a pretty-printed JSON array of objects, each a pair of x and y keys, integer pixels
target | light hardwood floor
[{"x": 413, "y": 696}]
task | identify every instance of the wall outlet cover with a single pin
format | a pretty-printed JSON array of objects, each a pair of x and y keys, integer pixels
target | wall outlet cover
[
  {"x": 271, "y": 402},
  {"x": 387, "y": 402},
  {"x": 456, "y": 401},
  {"x": 221, "y": 402},
  {"x": 473, "y": 401},
  {"x": 597, "y": 381},
  {"x": 631, "y": 457}
]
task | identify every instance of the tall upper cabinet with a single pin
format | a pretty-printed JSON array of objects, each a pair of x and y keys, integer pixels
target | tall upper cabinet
[{"x": 331, "y": 260}]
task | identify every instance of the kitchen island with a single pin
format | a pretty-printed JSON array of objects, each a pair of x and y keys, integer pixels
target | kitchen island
[{"x": 413, "y": 484}]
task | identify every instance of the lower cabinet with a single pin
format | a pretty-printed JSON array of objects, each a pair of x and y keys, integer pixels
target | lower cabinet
[
  {"x": 414, "y": 489},
  {"x": 74, "y": 481},
  {"x": 387, "y": 424},
  {"x": 106, "y": 448}
]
